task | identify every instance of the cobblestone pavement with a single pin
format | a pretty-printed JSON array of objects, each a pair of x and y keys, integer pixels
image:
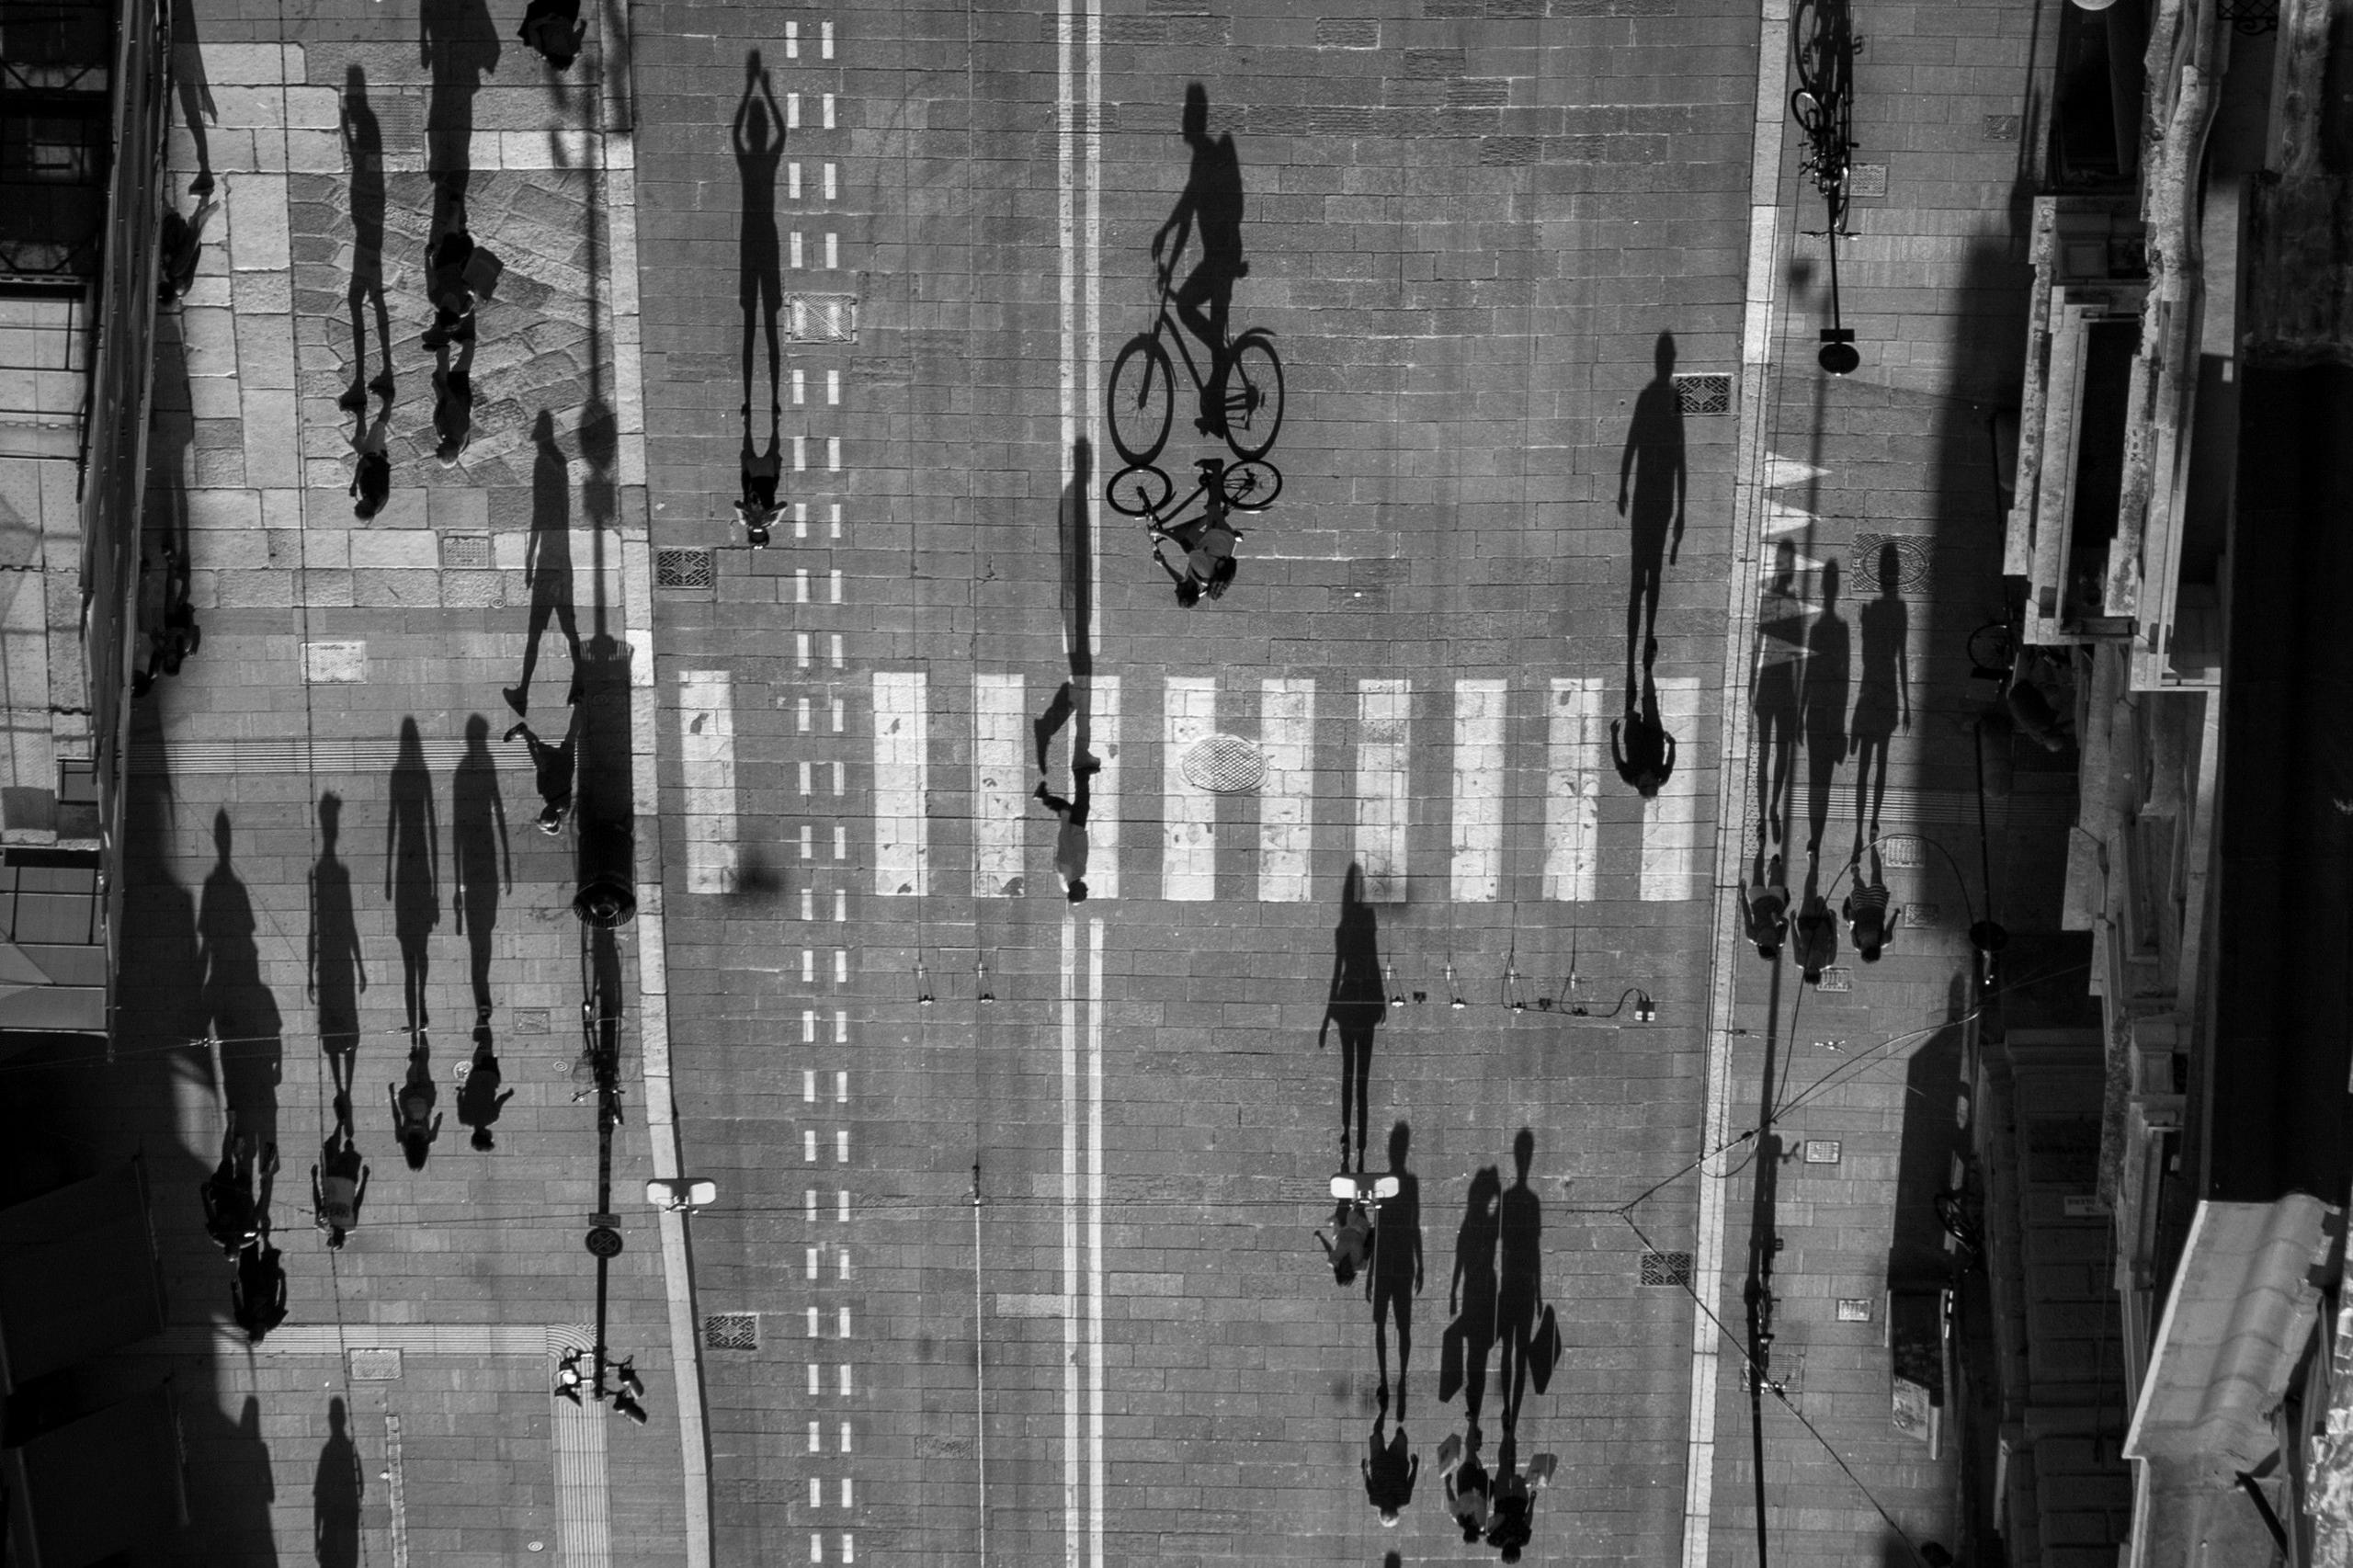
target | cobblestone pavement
[{"x": 945, "y": 1108}]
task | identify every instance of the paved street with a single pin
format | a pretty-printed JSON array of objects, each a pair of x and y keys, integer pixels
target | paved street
[{"x": 1015, "y": 1244}]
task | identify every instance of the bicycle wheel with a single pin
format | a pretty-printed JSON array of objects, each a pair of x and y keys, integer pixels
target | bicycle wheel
[
  {"x": 1254, "y": 396},
  {"x": 1140, "y": 399},
  {"x": 1138, "y": 491},
  {"x": 1251, "y": 485}
]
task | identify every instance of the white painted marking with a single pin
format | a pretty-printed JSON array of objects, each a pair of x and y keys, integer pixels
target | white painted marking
[
  {"x": 833, "y": 250},
  {"x": 841, "y": 1211},
  {"x": 841, "y": 966},
  {"x": 804, "y": 777},
  {"x": 396, "y": 1489},
  {"x": 1070, "y": 1221},
  {"x": 1286, "y": 798},
  {"x": 792, "y": 40},
  {"x": 1095, "y": 1242},
  {"x": 813, "y": 1333},
  {"x": 833, "y": 392},
  {"x": 1780, "y": 517},
  {"x": 1781, "y": 471},
  {"x": 800, "y": 386},
  {"x": 834, "y": 454},
  {"x": 808, "y": 1075},
  {"x": 792, "y": 111},
  {"x": 826, "y": 38},
  {"x": 800, "y": 596},
  {"x": 833, "y": 181},
  {"x": 1188, "y": 846},
  {"x": 850, "y": 1543},
  {"x": 1477, "y": 871},
  {"x": 902, "y": 782},
  {"x": 808, "y": 966},
  {"x": 1102, "y": 698},
  {"x": 844, "y": 1334},
  {"x": 829, "y": 111},
  {"x": 1000, "y": 785},
  {"x": 796, "y": 250},
  {"x": 816, "y": 1541},
  {"x": 845, "y": 1445},
  {"x": 817, "y": 1443},
  {"x": 1384, "y": 732},
  {"x": 836, "y": 647},
  {"x": 707, "y": 758},
  {"x": 841, "y": 903},
  {"x": 800, "y": 454},
  {"x": 800, "y": 649},
  {"x": 833, "y": 587},
  {"x": 816, "y": 1486},
  {"x": 834, "y": 519},
  {"x": 846, "y": 1379},
  {"x": 1671, "y": 822},
  {"x": 809, "y": 1145},
  {"x": 1573, "y": 790},
  {"x": 793, "y": 180},
  {"x": 812, "y": 1273}
]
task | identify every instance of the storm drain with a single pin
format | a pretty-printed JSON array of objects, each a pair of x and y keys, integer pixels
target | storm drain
[
  {"x": 731, "y": 1331},
  {"x": 1224, "y": 765},
  {"x": 1667, "y": 1269},
  {"x": 1703, "y": 391},
  {"x": 682, "y": 569},
  {"x": 465, "y": 553}
]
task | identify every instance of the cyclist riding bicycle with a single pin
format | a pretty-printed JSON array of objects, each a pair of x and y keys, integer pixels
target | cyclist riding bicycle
[{"x": 1198, "y": 555}]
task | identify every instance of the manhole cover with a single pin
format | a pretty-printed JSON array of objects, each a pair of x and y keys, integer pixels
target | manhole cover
[
  {"x": 1224, "y": 765},
  {"x": 1876, "y": 555}
]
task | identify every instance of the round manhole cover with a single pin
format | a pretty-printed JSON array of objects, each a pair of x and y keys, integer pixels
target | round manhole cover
[{"x": 1224, "y": 765}]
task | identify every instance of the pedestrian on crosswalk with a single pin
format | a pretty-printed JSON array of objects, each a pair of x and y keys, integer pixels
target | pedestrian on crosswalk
[
  {"x": 1765, "y": 905},
  {"x": 1641, "y": 746},
  {"x": 1870, "y": 922},
  {"x": 1070, "y": 843}
]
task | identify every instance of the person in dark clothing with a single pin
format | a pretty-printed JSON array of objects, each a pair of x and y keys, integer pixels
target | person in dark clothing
[
  {"x": 553, "y": 767},
  {"x": 1645, "y": 752},
  {"x": 1467, "y": 1486},
  {"x": 182, "y": 245},
  {"x": 413, "y": 1120},
  {"x": 480, "y": 1099},
  {"x": 452, "y": 295},
  {"x": 1765, "y": 908},
  {"x": 1198, "y": 555},
  {"x": 371, "y": 476},
  {"x": 1351, "y": 1242},
  {"x": 757, "y": 508},
  {"x": 1070, "y": 842},
  {"x": 1397, "y": 1266},
  {"x": 1870, "y": 922},
  {"x": 1817, "y": 934},
  {"x": 553, "y": 30},
  {"x": 1390, "y": 1471},
  {"x": 453, "y": 406},
  {"x": 339, "y": 1183},
  {"x": 1357, "y": 1005},
  {"x": 1474, "y": 1284},
  {"x": 1210, "y": 207},
  {"x": 257, "y": 1292},
  {"x": 233, "y": 1217}
]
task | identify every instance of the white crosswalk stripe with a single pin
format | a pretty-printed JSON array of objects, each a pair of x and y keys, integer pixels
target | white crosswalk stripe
[
  {"x": 1338, "y": 757},
  {"x": 707, "y": 760}
]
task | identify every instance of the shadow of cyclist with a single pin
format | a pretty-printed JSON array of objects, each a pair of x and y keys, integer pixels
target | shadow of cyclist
[{"x": 1210, "y": 207}]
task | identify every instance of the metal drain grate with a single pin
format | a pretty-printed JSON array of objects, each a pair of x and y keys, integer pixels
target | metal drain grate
[
  {"x": 824, "y": 318},
  {"x": 1224, "y": 765},
  {"x": 1867, "y": 180},
  {"x": 1836, "y": 978},
  {"x": 1914, "y": 561},
  {"x": 1670, "y": 1268},
  {"x": 682, "y": 569},
  {"x": 465, "y": 553},
  {"x": 1703, "y": 391},
  {"x": 1902, "y": 850},
  {"x": 731, "y": 1331}
]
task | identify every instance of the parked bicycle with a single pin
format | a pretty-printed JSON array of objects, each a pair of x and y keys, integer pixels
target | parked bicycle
[
  {"x": 1142, "y": 397},
  {"x": 1821, "y": 39}
]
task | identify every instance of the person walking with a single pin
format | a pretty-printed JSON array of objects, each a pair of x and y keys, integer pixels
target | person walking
[
  {"x": 1817, "y": 936},
  {"x": 257, "y": 1291},
  {"x": 1765, "y": 909},
  {"x": 480, "y": 1099},
  {"x": 1355, "y": 1003},
  {"x": 552, "y": 29},
  {"x": 1390, "y": 1469},
  {"x": 1870, "y": 920},
  {"x": 552, "y": 766},
  {"x": 1070, "y": 842},
  {"x": 338, "y": 1186}
]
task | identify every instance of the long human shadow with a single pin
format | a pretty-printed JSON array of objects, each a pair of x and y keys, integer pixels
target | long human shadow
[
  {"x": 1070, "y": 705},
  {"x": 195, "y": 89},
  {"x": 239, "y": 1008},
  {"x": 459, "y": 43},
  {"x": 1355, "y": 1006},
  {"x": 1882, "y": 689},
  {"x": 1472, "y": 1293},
  {"x": 1209, "y": 209},
  {"x": 481, "y": 862},
  {"x": 547, "y": 562},
  {"x": 412, "y": 868},
  {"x": 758, "y": 136},
  {"x": 1822, "y": 705},
  {"x": 1397, "y": 1266},
  {"x": 1651, "y": 473},
  {"x": 335, "y": 1492},
  {"x": 1773, "y": 694},
  {"x": 1519, "y": 1275},
  {"x": 337, "y": 968},
  {"x": 363, "y": 147}
]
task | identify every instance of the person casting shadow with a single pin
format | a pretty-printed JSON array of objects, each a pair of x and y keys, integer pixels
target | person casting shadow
[
  {"x": 363, "y": 148},
  {"x": 453, "y": 400},
  {"x": 758, "y": 134},
  {"x": 1640, "y": 744},
  {"x": 411, "y": 868},
  {"x": 239, "y": 1009},
  {"x": 414, "y": 1122},
  {"x": 338, "y": 972},
  {"x": 1822, "y": 705},
  {"x": 1765, "y": 908},
  {"x": 552, "y": 765},
  {"x": 1653, "y": 462},
  {"x": 1883, "y": 690},
  {"x": 1357, "y": 1003},
  {"x": 756, "y": 506},
  {"x": 1211, "y": 207},
  {"x": 552, "y": 29},
  {"x": 480, "y": 1097},
  {"x": 1467, "y": 1484},
  {"x": 459, "y": 42},
  {"x": 334, "y": 1496},
  {"x": 1816, "y": 929},
  {"x": 257, "y": 1291},
  {"x": 1780, "y": 660},
  {"x": 371, "y": 467},
  {"x": 1397, "y": 1266},
  {"x": 1390, "y": 1469},
  {"x": 547, "y": 563},
  {"x": 234, "y": 1213},
  {"x": 1070, "y": 842},
  {"x": 1473, "y": 1287},
  {"x": 1519, "y": 1283},
  {"x": 1871, "y": 923},
  {"x": 480, "y": 863},
  {"x": 339, "y": 1181},
  {"x": 195, "y": 89}
]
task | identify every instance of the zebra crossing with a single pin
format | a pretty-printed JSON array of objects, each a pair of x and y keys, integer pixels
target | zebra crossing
[{"x": 1525, "y": 767}]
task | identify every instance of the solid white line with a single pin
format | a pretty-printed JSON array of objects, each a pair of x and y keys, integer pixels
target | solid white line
[
  {"x": 902, "y": 781},
  {"x": 1286, "y": 800},
  {"x": 396, "y": 1488},
  {"x": 1102, "y": 698},
  {"x": 1071, "y": 1545},
  {"x": 1091, "y": 345},
  {"x": 1188, "y": 817},
  {"x": 1573, "y": 790},
  {"x": 1671, "y": 821},
  {"x": 1384, "y": 733},
  {"x": 1095, "y": 1243},
  {"x": 707, "y": 760},
  {"x": 1477, "y": 871},
  {"x": 1066, "y": 233},
  {"x": 1000, "y": 785}
]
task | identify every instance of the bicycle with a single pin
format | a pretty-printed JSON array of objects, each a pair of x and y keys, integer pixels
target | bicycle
[
  {"x": 1143, "y": 491},
  {"x": 1822, "y": 43},
  {"x": 1141, "y": 395}
]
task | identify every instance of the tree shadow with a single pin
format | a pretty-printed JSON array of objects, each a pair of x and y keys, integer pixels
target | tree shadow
[
  {"x": 1653, "y": 462},
  {"x": 1472, "y": 1293},
  {"x": 758, "y": 138},
  {"x": 363, "y": 146},
  {"x": 481, "y": 862},
  {"x": 1822, "y": 705},
  {"x": 335, "y": 1493},
  {"x": 338, "y": 970},
  {"x": 1773, "y": 697},
  {"x": 547, "y": 562},
  {"x": 1519, "y": 1276},
  {"x": 1209, "y": 208},
  {"x": 1883, "y": 691},
  {"x": 459, "y": 43},
  {"x": 1397, "y": 1266},
  {"x": 1356, "y": 1005},
  {"x": 412, "y": 868},
  {"x": 239, "y": 1007}
]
